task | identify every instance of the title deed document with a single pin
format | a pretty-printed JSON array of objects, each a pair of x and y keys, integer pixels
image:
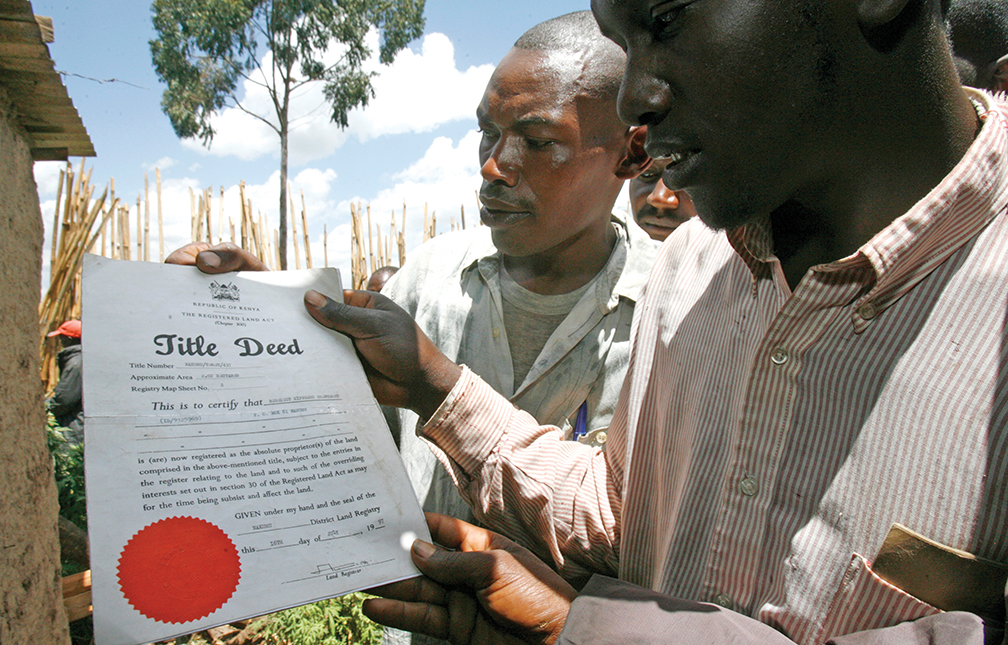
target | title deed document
[{"x": 236, "y": 460}]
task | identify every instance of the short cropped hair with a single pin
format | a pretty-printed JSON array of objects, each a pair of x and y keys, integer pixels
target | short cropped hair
[{"x": 578, "y": 33}]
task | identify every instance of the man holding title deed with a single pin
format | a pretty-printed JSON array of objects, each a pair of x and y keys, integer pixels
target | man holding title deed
[{"x": 810, "y": 444}]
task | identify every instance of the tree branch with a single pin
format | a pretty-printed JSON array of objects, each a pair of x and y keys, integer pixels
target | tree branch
[{"x": 253, "y": 114}]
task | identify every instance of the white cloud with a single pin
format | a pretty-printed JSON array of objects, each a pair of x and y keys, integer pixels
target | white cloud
[
  {"x": 164, "y": 163},
  {"x": 418, "y": 92},
  {"x": 47, "y": 175},
  {"x": 421, "y": 91},
  {"x": 446, "y": 179},
  {"x": 238, "y": 134}
]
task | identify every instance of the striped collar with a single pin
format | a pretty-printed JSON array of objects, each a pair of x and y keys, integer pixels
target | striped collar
[{"x": 913, "y": 245}]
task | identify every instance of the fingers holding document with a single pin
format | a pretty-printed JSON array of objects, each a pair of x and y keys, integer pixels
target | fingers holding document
[
  {"x": 405, "y": 369},
  {"x": 487, "y": 589},
  {"x": 219, "y": 258}
]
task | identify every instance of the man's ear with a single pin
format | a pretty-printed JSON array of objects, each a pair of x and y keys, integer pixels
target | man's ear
[
  {"x": 635, "y": 160},
  {"x": 999, "y": 79},
  {"x": 873, "y": 14}
]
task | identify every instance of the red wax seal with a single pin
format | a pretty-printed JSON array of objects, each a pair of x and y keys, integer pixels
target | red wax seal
[{"x": 179, "y": 569}]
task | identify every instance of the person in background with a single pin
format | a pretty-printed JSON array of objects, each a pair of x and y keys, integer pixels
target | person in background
[
  {"x": 380, "y": 276},
  {"x": 66, "y": 403},
  {"x": 978, "y": 31},
  {"x": 656, "y": 209}
]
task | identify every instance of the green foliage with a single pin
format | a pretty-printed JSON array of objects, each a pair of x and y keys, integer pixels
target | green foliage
[
  {"x": 204, "y": 47},
  {"x": 68, "y": 467},
  {"x": 337, "y": 621}
]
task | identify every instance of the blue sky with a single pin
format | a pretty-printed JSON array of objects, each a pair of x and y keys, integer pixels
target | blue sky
[{"x": 416, "y": 142}]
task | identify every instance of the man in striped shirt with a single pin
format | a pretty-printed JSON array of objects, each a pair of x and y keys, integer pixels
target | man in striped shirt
[{"x": 812, "y": 434}]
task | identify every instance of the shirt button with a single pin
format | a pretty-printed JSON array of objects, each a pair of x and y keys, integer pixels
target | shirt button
[
  {"x": 601, "y": 437},
  {"x": 496, "y": 332},
  {"x": 724, "y": 600},
  {"x": 779, "y": 356},
  {"x": 867, "y": 311},
  {"x": 748, "y": 487}
]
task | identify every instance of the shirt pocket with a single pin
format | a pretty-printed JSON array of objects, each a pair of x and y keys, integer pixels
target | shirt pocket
[{"x": 866, "y": 601}]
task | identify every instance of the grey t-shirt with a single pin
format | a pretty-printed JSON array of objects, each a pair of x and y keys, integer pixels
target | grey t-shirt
[{"x": 530, "y": 319}]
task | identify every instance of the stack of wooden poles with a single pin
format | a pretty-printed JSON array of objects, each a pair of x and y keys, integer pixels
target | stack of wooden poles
[
  {"x": 380, "y": 251},
  {"x": 82, "y": 223},
  {"x": 103, "y": 225}
]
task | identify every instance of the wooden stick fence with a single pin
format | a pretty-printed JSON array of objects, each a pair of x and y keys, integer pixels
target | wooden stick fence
[
  {"x": 102, "y": 225},
  {"x": 379, "y": 252}
]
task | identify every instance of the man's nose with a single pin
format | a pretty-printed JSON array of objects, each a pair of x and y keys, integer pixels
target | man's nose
[
  {"x": 643, "y": 97},
  {"x": 662, "y": 197},
  {"x": 499, "y": 167}
]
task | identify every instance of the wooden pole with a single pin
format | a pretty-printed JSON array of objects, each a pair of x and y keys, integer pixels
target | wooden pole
[
  {"x": 304, "y": 229},
  {"x": 116, "y": 222},
  {"x": 207, "y": 213},
  {"x": 325, "y": 244},
  {"x": 198, "y": 217},
  {"x": 244, "y": 230},
  {"x": 402, "y": 237},
  {"x": 204, "y": 215},
  {"x": 116, "y": 230},
  {"x": 125, "y": 239},
  {"x": 112, "y": 196},
  {"x": 369, "y": 244},
  {"x": 293, "y": 224},
  {"x": 54, "y": 232},
  {"x": 192, "y": 216},
  {"x": 71, "y": 196},
  {"x": 253, "y": 240},
  {"x": 209, "y": 217},
  {"x": 103, "y": 235},
  {"x": 393, "y": 235},
  {"x": 262, "y": 240},
  {"x": 146, "y": 240},
  {"x": 254, "y": 228},
  {"x": 160, "y": 219},
  {"x": 67, "y": 216},
  {"x": 354, "y": 245},
  {"x": 139, "y": 229},
  {"x": 276, "y": 247},
  {"x": 220, "y": 220}
]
